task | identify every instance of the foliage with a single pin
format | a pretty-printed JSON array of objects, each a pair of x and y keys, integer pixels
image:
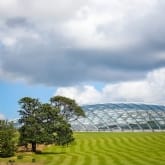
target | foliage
[
  {"x": 31, "y": 129},
  {"x": 42, "y": 123},
  {"x": 33, "y": 160},
  {"x": 57, "y": 130},
  {"x": 64, "y": 134},
  {"x": 8, "y": 139},
  {"x": 68, "y": 107}
]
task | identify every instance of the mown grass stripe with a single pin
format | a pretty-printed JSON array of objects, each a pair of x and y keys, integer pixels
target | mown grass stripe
[{"x": 105, "y": 149}]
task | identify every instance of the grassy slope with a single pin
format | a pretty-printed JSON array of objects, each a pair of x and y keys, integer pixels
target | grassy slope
[{"x": 107, "y": 149}]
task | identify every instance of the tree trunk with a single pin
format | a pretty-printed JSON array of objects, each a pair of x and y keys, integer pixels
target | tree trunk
[{"x": 33, "y": 146}]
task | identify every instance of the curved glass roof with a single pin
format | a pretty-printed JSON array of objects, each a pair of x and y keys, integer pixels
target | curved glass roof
[{"x": 121, "y": 117}]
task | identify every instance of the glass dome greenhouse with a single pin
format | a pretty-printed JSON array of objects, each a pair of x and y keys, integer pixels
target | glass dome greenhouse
[{"x": 121, "y": 117}]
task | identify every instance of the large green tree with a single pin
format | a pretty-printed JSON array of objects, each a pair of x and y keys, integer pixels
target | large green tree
[
  {"x": 42, "y": 123},
  {"x": 69, "y": 109},
  {"x": 8, "y": 136},
  {"x": 31, "y": 129}
]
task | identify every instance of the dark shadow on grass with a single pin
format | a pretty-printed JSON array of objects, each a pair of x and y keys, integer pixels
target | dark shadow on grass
[{"x": 49, "y": 153}]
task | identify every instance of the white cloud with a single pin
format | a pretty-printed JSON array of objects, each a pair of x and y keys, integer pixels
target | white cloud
[
  {"x": 9, "y": 41},
  {"x": 91, "y": 23},
  {"x": 148, "y": 90},
  {"x": 78, "y": 41},
  {"x": 2, "y": 117},
  {"x": 82, "y": 94},
  {"x": 40, "y": 10},
  {"x": 110, "y": 23}
]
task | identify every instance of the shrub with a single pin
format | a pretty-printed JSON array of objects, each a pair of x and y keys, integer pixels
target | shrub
[
  {"x": 33, "y": 160},
  {"x": 7, "y": 139},
  {"x": 20, "y": 157}
]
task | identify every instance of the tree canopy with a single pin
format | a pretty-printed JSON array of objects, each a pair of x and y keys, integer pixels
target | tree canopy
[
  {"x": 42, "y": 123},
  {"x": 69, "y": 109},
  {"x": 30, "y": 130}
]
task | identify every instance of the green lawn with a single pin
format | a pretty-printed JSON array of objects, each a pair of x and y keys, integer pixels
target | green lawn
[{"x": 104, "y": 149}]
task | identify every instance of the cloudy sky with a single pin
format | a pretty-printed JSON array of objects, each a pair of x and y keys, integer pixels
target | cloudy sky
[{"x": 93, "y": 51}]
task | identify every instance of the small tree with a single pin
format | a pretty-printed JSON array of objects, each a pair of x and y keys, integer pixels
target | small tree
[
  {"x": 7, "y": 139},
  {"x": 69, "y": 109}
]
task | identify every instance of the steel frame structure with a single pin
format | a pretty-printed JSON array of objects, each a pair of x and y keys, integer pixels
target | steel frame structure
[{"x": 121, "y": 117}]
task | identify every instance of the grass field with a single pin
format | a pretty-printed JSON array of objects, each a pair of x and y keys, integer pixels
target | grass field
[{"x": 143, "y": 148}]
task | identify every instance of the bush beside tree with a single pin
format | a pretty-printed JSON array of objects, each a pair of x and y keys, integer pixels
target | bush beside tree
[{"x": 8, "y": 139}]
